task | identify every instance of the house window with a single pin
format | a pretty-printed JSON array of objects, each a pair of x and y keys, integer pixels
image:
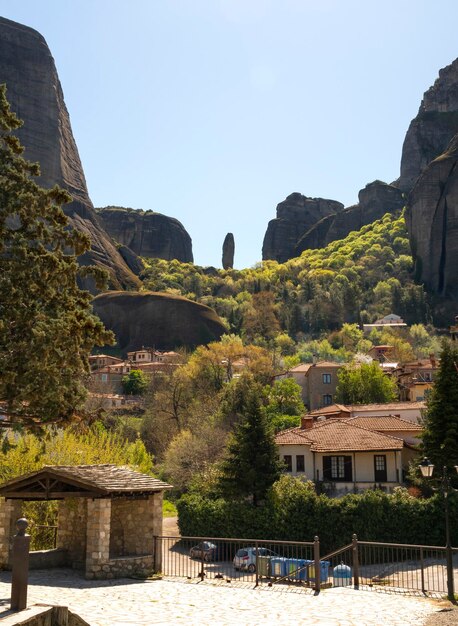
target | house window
[
  {"x": 326, "y": 379},
  {"x": 104, "y": 378},
  {"x": 337, "y": 468},
  {"x": 288, "y": 460},
  {"x": 300, "y": 465},
  {"x": 380, "y": 474},
  {"x": 327, "y": 399}
]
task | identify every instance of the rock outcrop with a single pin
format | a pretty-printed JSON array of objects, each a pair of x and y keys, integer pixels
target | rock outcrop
[
  {"x": 157, "y": 319},
  {"x": 228, "y": 251},
  {"x": 375, "y": 200},
  {"x": 148, "y": 233},
  {"x": 433, "y": 128},
  {"x": 35, "y": 95},
  {"x": 432, "y": 221},
  {"x": 295, "y": 216}
]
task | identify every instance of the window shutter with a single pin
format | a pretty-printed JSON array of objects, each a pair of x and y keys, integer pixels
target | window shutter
[
  {"x": 327, "y": 471},
  {"x": 348, "y": 469}
]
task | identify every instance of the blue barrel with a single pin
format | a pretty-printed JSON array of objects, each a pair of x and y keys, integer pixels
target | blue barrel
[{"x": 342, "y": 575}]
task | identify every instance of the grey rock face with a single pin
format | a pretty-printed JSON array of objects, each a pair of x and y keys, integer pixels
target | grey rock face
[
  {"x": 157, "y": 319},
  {"x": 35, "y": 95},
  {"x": 228, "y": 251},
  {"x": 147, "y": 233},
  {"x": 295, "y": 216},
  {"x": 375, "y": 200},
  {"x": 433, "y": 128},
  {"x": 432, "y": 221}
]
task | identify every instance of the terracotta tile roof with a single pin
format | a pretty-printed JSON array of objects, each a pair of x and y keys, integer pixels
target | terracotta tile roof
[
  {"x": 336, "y": 436},
  {"x": 105, "y": 479},
  {"x": 389, "y": 406},
  {"x": 305, "y": 367},
  {"x": 384, "y": 422},
  {"x": 330, "y": 410}
]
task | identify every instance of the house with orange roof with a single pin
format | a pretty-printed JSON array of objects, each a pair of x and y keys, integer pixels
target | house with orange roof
[
  {"x": 318, "y": 382},
  {"x": 390, "y": 425},
  {"x": 411, "y": 411},
  {"x": 344, "y": 457}
]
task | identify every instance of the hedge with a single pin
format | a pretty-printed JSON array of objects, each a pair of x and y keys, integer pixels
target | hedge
[{"x": 294, "y": 512}]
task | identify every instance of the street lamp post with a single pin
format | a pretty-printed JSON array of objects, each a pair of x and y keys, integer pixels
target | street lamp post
[{"x": 426, "y": 468}]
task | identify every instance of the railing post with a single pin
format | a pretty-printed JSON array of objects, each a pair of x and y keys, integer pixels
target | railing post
[
  {"x": 422, "y": 564},
  {"x": 355, "y": 560},
  {"x": 20, "y": 566},
  {"x": 202, "y": 573},
  {"x": 316, "y": 557},
  {"x": 257, "y": 564}
]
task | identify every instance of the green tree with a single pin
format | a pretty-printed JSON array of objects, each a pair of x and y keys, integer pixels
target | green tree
[
  {"x": 365, "y": 383},
  {"x": 251, "y": 465},
  {"x": 135, "y": 383},
  {"x": 284, "y": 398},
  {"x": 440, "y": 434},
  {"x": 47, "y": 329}
]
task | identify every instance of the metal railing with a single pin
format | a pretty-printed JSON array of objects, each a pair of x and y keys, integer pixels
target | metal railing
[
  {"x": 42, "y": 537},
  {"x": 396, "y": 568}
]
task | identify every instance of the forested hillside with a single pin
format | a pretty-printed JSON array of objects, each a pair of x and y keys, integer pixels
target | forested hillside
[{"x": 357, "y": 279}]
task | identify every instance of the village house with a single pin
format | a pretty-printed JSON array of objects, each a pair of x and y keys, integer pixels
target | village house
[
  {"x": 318, "y": 382},
  {"x": 410, "y": 411},
  {"x": 416, "y": 379},
  {"x": 343, "y": 457},
  {"x": 98, "y": 361}
]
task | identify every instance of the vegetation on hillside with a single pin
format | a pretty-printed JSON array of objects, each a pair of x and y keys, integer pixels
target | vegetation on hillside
[{"x": 353, "y": 280}]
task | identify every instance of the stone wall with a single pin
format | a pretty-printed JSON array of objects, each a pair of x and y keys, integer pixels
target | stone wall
[
  {"x": 71, "y": 532},
  {"x": 44, "y": 616},
  {"x": 10, "y": 512},
  {"x": 133, "y": 525}
]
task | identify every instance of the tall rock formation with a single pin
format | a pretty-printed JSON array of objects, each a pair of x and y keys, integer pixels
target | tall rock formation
[
  {"x": 432, "y": 221},
  {"x": 157, "y": 319},
  {"x": 375, "y": 200},
  {"x": 433, "y": 128},
  {"x": 228, "y": 251},
  {"x": 35, "y": 95},
  {"x": 148, "y": 233},
  {"x": 295, "y": 216}
]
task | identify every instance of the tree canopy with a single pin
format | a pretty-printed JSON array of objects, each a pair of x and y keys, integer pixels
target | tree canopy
[
  {"x": 251, "y": 465},
  {"x": 440, "y": 434},
  {"x": 363, "y": 384},
  {"x": 47, "y": 329}
]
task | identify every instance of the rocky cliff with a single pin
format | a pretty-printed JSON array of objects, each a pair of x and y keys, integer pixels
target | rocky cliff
[
  {"x": 148, "y": 233},
  {"x": 295, "y": 216},
  {"x": 228, "y": 251},
  {"x": 35, "y": 95},
  {"x": 157, "y": 319},
  {"x": 432, "y": 221},
  {"x": 375, "y": 200},
  {"x": 433, "y": 128}
]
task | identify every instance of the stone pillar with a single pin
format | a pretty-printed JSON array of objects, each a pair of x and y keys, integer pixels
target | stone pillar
[
  {"x": 10, "y": 512},
  {"x": 71, "y": 531},
  {"x": 156, "y": 510},
  {"x": 98, "y": 538}
]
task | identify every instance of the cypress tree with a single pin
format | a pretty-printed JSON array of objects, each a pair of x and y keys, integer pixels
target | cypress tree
[
  {"x": 251, "y": 465},
  {"x": 47, "y": 329},
  {"x": 440, "y": 434}
]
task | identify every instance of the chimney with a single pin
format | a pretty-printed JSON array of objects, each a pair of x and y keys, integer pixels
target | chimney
[
  {"x": 432, "y": 358},
  {"x": 314, "y": 359},
  {"x": 306, "y": 422}
]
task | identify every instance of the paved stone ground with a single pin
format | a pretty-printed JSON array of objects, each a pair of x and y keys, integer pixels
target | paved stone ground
[{"x": 128, "y": 602}]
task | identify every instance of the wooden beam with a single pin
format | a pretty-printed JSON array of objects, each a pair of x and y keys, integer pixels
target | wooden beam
[{"x": 53, "y": 495}]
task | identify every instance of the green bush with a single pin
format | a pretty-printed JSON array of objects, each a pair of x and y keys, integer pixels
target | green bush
[{"x": 294, "y": 512}]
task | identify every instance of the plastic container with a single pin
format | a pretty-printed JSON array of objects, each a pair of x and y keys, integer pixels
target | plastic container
[
  {"x": 278, "y": 565},
  {"x": 292, "y": 565},
  {"x": 264, "y": 566},
  {"x": 342, "y": 575},
  {"x": 324, "y": 569}
]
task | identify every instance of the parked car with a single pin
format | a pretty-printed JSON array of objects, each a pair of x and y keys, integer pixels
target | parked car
[
  {"x": 204, "y": 550},
  {"x": 245, "y": 558}
]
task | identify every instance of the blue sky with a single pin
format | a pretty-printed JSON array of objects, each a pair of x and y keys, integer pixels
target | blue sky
[{"x": 213, "y": 111}]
